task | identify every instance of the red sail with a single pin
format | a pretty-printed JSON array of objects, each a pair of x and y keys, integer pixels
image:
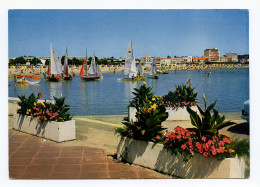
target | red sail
[{"x": 82, "y": 69}]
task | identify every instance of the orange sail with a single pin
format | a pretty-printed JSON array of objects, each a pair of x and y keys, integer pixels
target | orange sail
[{"x": 82, "y": 69}]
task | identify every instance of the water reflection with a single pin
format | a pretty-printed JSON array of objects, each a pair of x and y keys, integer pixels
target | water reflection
[
  {"x": 55, "y": 89},
  {"x": 128, "y": 89}
]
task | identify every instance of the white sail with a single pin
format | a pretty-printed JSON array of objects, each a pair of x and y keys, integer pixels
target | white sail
[
  {"x": 153, "y": 67},
  {"x": 59, "y": 66},
  {"x": 93, "y": 67},
  {"x": 129, "y": 58},
  {"x": 133, "y": 72},
  {"x": 66, "y": 60},
  {"x": 54, "y": 62},
  {"x": 86, "y": 63},
  {"x": 99, "y": 71}
]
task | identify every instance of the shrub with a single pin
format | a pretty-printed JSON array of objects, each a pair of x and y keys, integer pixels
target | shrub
[
  {"x": 150, "y": 116},
  {"x": 205, "y": 123},
  {"x": 182, "y": 96}
]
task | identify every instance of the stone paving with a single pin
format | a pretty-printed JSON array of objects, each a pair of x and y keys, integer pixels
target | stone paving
[{"x": 32, "y": 157}]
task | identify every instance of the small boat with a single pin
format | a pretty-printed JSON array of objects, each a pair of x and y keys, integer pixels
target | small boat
[
  {"x": 28, "y": 79},
  {"x": 95, "y": 72},
  {"x": 165, "y": 71},
  {"x": 54, "y": 68},
  {"x": 130, "y": 66},
  {"x": 153, "y": 74},
  {"x": 66, "y": 76}
]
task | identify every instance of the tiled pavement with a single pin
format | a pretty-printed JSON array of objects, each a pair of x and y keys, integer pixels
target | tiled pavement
[{"x": 32, "y": 158}]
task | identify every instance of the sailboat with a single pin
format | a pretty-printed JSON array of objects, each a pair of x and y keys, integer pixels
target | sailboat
[
  {"x": 28, "y": 79},
  {"x": 54, "y": 68},
  {"x": 130, "y": 66},
  {"x": 153, "y": 74},
  {"x": 66, "y": 67},
  {"x": 94, "y": 72}
]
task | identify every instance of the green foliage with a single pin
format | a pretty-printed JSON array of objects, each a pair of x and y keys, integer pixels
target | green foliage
[
  {"x": 241, "y": 147},
  {"x": 182, "y": 96},
  {"x": 207, "y": 123},
  {"x": 26, "y": 104},
  {"x": 17, "y": 61},
  {"x": 149, "y": 115},
  {"x": 141, "y": 94},
  {"x": 35, "y": 61}
]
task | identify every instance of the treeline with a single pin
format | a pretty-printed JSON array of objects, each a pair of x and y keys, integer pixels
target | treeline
[{"x": 73, "y": 61}]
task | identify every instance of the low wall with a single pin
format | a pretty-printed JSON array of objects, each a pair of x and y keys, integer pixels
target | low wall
[
  {"x": 13, "y": 105},
  {"x": 179, "y": 113},
  {"x": 155, "y": 156}
]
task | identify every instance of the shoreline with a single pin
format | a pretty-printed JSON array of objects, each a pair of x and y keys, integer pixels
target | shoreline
[{"x": 39, "y": 71}]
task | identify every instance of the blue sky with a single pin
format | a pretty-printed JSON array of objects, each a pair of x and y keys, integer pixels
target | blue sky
[{"x": 108, "y": 32}]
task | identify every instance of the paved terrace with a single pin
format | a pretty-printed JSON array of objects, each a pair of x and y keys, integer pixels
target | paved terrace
[{"x": 87, "y": 157}]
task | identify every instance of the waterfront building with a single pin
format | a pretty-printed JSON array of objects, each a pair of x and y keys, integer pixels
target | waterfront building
[
  {"x": 145, "y": 59},
  {"x": 198, "y": 60},
  {"x": 212, "y": 55},
  {"x": 233, "y": 56},
  {"x": 181, "y": 60},
  {"x": 225, "y": 59}
]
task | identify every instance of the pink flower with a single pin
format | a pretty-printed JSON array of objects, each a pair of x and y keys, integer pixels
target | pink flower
[
  {"x": 158, "y": 137},
  {"x": 203, "y": 138}
]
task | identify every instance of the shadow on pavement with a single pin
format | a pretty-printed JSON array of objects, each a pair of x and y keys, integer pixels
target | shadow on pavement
[{"x": 241, "y": 128}]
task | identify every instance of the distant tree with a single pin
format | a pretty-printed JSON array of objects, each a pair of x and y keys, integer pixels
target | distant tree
[
  {"x": 35, "y": 61},
  {"x": 168, "y": 56},
  {"x": 47, "y": 62},
  {"x": 62, "y": 60},
  {"x": 17, "y": 61}
]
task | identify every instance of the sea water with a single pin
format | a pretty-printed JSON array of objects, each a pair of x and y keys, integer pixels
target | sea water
[{"x": 110, "y": 96}]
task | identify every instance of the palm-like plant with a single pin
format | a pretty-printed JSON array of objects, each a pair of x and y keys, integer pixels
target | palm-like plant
[
  {"x": 207, "y": 124},
  {"x": 150, "y": 116}
]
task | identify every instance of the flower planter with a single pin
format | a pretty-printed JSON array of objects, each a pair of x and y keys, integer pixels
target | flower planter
[
  {"x": 155, "y": 156},
  {"x": 56, "y": 131},
  {"x": 179, "y": 113},
  {"x": 13, "y": 104}
]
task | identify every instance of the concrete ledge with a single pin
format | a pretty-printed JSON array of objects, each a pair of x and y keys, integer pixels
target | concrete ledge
[
  {"x": 155, "y": 156},
  {"x": 56, "y": 131},
  {"x": 13, "y": 104},
  {"x": 179, "y": 113}
]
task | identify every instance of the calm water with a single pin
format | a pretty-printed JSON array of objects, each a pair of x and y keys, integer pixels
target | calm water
[{"x": 110, "y": 96}]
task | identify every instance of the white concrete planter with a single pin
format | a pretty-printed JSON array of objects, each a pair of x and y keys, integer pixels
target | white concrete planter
[
  {"x": 155, "y": 156},
  {"x": 56, "y": 131},
  {"x": 179, "y": 113}
]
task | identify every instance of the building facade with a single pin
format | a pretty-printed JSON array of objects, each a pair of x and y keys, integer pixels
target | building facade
[
  {"x": 212, "y": 55},
  {"x": 233, "y": 56}
]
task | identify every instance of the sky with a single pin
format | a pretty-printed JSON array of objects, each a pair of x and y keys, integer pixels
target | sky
[{"x": 154, "y": 32}]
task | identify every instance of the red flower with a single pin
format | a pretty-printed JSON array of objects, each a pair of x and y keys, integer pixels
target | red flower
[
  {"x": 226, "y": 140},
  {"x": 205, "y": 154},
  {"x": 158, "y": 137},
  {"x": 203, "y": 138},
  {"x": 183, "y": 146}
]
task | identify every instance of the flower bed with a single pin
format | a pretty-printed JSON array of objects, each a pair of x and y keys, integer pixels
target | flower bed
[
  {"x": 56, "y": 131},
  {"x": 157, "y": 157}
]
